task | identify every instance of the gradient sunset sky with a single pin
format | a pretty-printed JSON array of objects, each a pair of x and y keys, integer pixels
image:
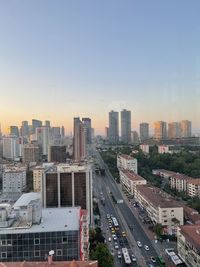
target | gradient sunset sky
[{"x": 60, "y": 59}]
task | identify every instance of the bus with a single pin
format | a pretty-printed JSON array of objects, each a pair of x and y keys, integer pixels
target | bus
[
  {"x": 115, "y": 223},
  {"x": 126, "y": 257},
  {"x": 160, "y": 261}
]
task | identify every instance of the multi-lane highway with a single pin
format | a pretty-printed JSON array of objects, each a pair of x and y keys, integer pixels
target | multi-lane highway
[{"x": 122, "y": 211}]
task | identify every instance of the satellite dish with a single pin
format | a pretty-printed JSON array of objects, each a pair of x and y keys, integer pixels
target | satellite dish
[{"x": 51, "y": 252}]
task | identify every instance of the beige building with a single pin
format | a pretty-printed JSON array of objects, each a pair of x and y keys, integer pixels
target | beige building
[
  {"x": 188, "y": 244},
  {"x": 179, "y": 182},
  {"x": 160, "y": 130},
  {"x": 160, "y": 206},
  {"x": 38, "y": 173},
  {"x": 129, "y": 180},
  {"x": 30, "y": 153},
  {"x": 193, "y": 187},
  {"x": 127, "y": 162}
]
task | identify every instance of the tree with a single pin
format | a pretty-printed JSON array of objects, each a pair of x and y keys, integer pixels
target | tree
[
  {"x": 158, "y": 229},
  {"x": 103, "y": 255}
]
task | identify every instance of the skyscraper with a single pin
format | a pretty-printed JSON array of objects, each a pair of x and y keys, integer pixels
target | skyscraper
[
  {"x": 186, "y": 128},
  {"x": 160, "y": 130},
  {"x": 87, "y": 129},
  {"x": 79, "y": 140},
  {"x": 47, "y": 124},
  {"x": 144, "y": 131},
  {"x": 173, "y": 130},
  {"x": 113, "y": 127},
  {"x": 35, "y": 124},
  {"x": 11, "y": 147},
  {"x": 42, "y": 137},
  {"x": 14, "y": 131},
  {"x": 24, "y": 128},
  {"x": 126, "y": 126}
]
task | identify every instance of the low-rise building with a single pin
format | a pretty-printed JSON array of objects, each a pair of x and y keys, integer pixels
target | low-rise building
[
  {"x": 193, "y": 187},
  {"x": 160, "y": 207},
  {"x": 14, "y": 178},
  {"x": 127, "y": 162},
  {"x": 191, "y": 216},
  {"x": 144, "y": 148},
  {"x": 129, "y": 180},
  {"x": 28, "y": 232},
  {"x": 188, "y": 244},
  {"x": 52, "y": 262},
  {"x": 179, "y": 182}
]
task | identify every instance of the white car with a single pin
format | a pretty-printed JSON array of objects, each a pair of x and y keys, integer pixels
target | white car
[
  {"x": 114, "y": 237},
  {"x": 116, "y": 245},
  {"x": 109, "y": 239},
  {"x": 108, "y": 216},
  {"x": 133, "y": 258},
  {"x": 139, "y": 244},
  {"x": 119, "y": 254},
  {"x": 146, "y": 247},
  {"x": 153, "y": 259}
]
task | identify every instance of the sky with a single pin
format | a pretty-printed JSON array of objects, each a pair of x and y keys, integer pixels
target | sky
[{"x": 61, "y": 59}]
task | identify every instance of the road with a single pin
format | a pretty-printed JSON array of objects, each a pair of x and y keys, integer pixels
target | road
[{"x": 137, "y": 232}]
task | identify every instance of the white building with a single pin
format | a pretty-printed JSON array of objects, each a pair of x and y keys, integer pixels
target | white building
[
  {"x": 193, "y": 187},
  {"x": 144, "y": 148},
  {"x": 11, "y": 147},
  {"x": 160, "y": 207},
  {"x": 43, "y": 137},
  {"x": 163, "y": 149},
  {"x": 129, "y": 180},
  {"x": 127, "y": 162},
  {"x": 14, "y": 179}
]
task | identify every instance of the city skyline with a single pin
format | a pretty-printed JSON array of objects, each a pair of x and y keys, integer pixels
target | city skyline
[{"x": 60, "y": 61}]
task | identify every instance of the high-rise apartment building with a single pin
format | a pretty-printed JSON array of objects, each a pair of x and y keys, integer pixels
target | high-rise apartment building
[
  {"x": 113, "y": 127},
  {"x": 42, "y": 137},
  {"x": 88, "y": 129},
  {"x": 62, "y": 132},
  {"x": 35, "y": 124},
  {"x": 126, "y": 126},
  {"x": 79, "y": 140},
  {"x": 30, "y": 153},
  {"x": 57, "y": 153},
  {"x": 11, "y": 147},
  {"x": 160, "y": 130},
  {"x": 14, "y": 130},
  {"x": 66, "y": 185},
  {"x": 173, "y": 130},
  {"x": 144, "y": 131},
  {"x": 186, "y": 128},
  {"x": 47, "y": 124},
  {"x": 106, "y": 133}
]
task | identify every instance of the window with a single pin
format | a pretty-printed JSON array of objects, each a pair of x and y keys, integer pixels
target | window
[
  {"x": 4, "y": 255},
  {"x": 165, "y": 221},
  {"x": 59, "y": 252},
  {"x": 4, "y": 242},
  {"x": 64, "y": 240},
  {"x": 9, "y": 242},
  {"x": 37, "y": 253},
  {"x": 36, "y": 241}
]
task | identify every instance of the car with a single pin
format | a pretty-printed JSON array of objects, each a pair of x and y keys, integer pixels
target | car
[
  {"x": 109, "y": 239},
  {"x": 116, "y": 245},
  {"x": 139, "y": 244},
  {"x": 119, "y": 254},
  {"x": 153, "y": 259},
  {"x": 108, "y": 216},
  {"x": 124, "y": 234},
  {"x": 150, "y": 265},
  {"x": 110, "y": 225},
  {"x": 114, "y": 237},
  {"x": 133, "y": 258},
  {"x": 113, "y": 231},
  {"x": 146, "y": 247}
]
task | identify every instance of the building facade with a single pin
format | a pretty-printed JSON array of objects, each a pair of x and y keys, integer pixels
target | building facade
[
  {"x": 160, "y": 130},
  {"x": 57, "y": 154},
  {"x": 126, "y": 126},
  {"x": 31, "y": 153},
  {"x": 79, "y": 140},
  {"x": 144, "y": 131},
  {"x": 11, "y": 149},
  {"x": 185, "y": 128},
  {"x": 87, "y": 129},
  {"x": 173, "y": 130},
  {"x": 127, "y": 162},
  {"x": 113, "y": 133}
]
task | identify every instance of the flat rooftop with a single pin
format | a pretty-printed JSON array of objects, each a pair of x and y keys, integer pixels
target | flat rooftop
[
  {"x": 132, "y": 176},
  {"x": 194, "y": 181},
  {"x": 192, "y": 234},
  {"x": 157, "y": 197},
  {"x": 125, "y": 156},
  {"x": 55, "y": 263},
  {"x": 53, "y": 220}
]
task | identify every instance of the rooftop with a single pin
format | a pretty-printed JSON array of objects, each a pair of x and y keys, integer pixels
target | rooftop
[
  {"x": 68, "y": 221},
  {"x": 25, "y": 199},
  {"x": 125, "y": 156},
  {"x": 192, "y": 234},
  {"x": 132, "y": 176},
  {"x": 194, "y": 181},
  {"x": 157, "y": 197}
]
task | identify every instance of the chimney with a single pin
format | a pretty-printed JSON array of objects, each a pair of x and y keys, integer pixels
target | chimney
[{"x": 50, "y": 259}]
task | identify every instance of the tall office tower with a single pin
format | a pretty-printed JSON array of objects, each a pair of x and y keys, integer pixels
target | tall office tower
[
  {"x": 79, "y": 140},
  {"x": 55, "y": 133},
  {"x": 106, "y": 133},
  {"x": 24, "y": 129},
  {"x": 135, "y": 137},
  {"x": 57, "y": 153},
  {"x": 113, "y": 127},
  {"x": 186, "y": 128},
  {"x": 173, "y": 130},
  {"x": 10, "y": 147},
  {"x": 13, "y": 130},
  {"x": 30, "y": 153},
  {"x": 47, "y": 123},
  {"x": 35, "y": 124},
  {"x": 88, "y": 129},
  {"x": 126, "y": 126},
  {"x": 62, "y": 132},
  {"x": 144, "y": 131},
  {"x": 42, "y": 137},
  {"x": 66, "y": 185},
  {"x": 160, "y": 130}
]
